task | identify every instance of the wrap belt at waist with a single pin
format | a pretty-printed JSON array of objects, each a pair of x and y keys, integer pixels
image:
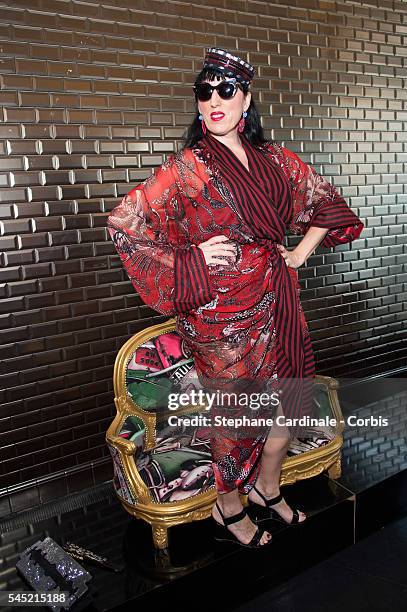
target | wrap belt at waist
[{"x": 284, "y": 282}]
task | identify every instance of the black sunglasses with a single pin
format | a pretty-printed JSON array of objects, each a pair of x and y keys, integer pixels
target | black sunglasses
[{"x": 225, "y": 89}]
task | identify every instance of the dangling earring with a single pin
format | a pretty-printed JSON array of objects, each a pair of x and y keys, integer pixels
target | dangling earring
[
  {"x": 203, "y": 123},
  {"x": 241, "y": 123}
]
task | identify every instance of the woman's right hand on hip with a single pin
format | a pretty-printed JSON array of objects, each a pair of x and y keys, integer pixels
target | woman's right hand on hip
[{"x": 217, "y": 248}]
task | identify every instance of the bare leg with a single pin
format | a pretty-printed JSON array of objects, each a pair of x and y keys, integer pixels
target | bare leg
[
  {"x": 268, "y": 481},
  {"x": 245, "y": 529}
]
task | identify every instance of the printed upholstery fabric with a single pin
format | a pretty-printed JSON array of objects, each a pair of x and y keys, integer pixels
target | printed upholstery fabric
[{"x": 180, "y": 465}]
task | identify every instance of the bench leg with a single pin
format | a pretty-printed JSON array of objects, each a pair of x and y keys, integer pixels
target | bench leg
[
  {"x": 334, "y": 471},
  {"x": 160, "y": 536}
]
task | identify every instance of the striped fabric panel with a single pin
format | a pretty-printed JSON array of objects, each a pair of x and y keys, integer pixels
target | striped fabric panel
[
  {"x": 192, "y": 281},
  {"x": 256, "y": 189},
  {"x": 263, "y": 196}
]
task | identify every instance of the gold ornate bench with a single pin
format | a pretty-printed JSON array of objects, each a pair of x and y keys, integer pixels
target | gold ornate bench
[{"x": 162, "y": 473}]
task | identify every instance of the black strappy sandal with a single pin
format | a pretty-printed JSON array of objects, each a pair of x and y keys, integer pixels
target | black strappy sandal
[
  {"x": 264, "y": 513},
  {"x": 223, "y": 534}
]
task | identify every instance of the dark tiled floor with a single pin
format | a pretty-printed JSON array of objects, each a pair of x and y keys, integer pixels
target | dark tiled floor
[
  {"x": 371, "y": 575},
  {"x": 106, "y": 529}
]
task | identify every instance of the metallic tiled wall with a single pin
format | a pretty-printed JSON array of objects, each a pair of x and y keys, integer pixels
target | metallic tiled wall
[{"x": 93, "y": 96}]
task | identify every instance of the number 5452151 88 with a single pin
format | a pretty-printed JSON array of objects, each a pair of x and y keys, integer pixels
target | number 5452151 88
[{"x": 38, "y": 598}]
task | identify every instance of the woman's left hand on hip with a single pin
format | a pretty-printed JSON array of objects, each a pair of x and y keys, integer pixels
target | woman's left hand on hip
[{"x": 292, "y": 259}]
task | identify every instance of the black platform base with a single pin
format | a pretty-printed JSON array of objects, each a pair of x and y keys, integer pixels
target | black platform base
[{"x": 197, "y": 573}]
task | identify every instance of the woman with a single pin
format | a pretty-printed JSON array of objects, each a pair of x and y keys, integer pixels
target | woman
[{"x": 201, "y": 239}]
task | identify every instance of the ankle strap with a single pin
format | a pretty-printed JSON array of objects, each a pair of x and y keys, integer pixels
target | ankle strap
[
  {"x": 269, "y": 502},
  {"x": 274, "y": 500},
  {"x": 232, "y": 519},
  {"x": 261, "y": 494},
  {"x": 235, "y": 518}
]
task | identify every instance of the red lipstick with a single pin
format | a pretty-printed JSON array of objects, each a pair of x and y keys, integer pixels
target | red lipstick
[{"x": 217, "y": 116}]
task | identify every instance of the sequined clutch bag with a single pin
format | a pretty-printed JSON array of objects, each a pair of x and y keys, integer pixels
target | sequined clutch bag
[{"x": 48, "y": 567}]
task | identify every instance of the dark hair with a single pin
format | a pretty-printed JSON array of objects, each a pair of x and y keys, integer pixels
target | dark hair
[{"x": 253, "y": 129}]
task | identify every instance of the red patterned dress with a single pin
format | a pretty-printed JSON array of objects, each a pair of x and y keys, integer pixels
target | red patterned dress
[{"x": 243, "y": 320}]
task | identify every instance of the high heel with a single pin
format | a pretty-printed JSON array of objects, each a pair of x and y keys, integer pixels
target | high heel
[
  {"x": 223, "y": 534},
  {"x": 264, "y": 513}
]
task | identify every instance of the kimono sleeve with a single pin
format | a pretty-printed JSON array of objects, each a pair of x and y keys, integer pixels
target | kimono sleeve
[
  {"x": 316, "y": 202},
  {"x": 171, "y": 279}
]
